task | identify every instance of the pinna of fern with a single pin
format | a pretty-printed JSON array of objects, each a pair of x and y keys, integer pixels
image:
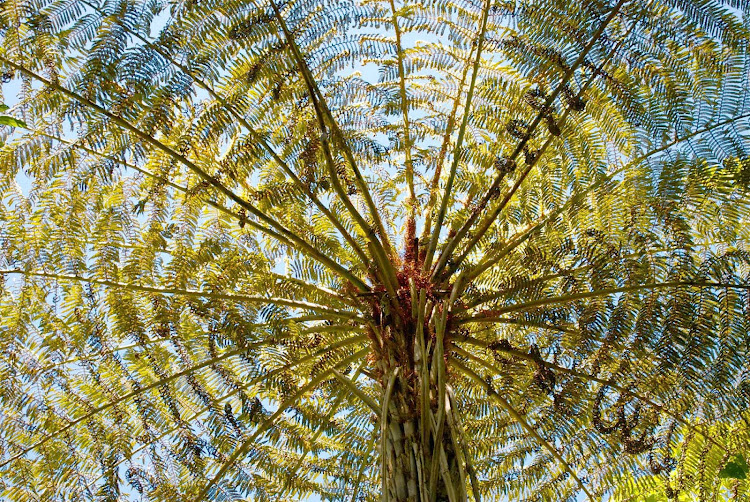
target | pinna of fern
[{"x": 373, "y": 250}]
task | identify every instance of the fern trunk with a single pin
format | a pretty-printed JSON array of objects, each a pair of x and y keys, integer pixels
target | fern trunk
[
  {"x": 408, "y": 459},
  {"x": 414, "y": 440},
  {"x": 420, "y": 434}
]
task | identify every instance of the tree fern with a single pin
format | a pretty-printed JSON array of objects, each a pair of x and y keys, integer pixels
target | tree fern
[{"x": 374, "y": 250}]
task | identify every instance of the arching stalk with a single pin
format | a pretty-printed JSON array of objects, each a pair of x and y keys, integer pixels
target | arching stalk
[
  {"x": 459, "y": 141},
  {"x": 280, "y": 232},
  {"x": 254, "y": 299},
  {"x": 492, "y": 316},
  {"x": 453, "y": 243},
  {"x": 256, "y": 137},
  {"x": 381, "y": 241},
  {"x": 408, "y": 164},
  {"x": 699, "y": 428}
]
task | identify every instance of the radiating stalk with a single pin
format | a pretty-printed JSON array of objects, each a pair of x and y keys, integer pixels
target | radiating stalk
[
  {"x": 281, "y": 233},
  {"x": 324, "y": 113},
  {"x": 408, "y": 164},
  {"x": 698, "y": 428},
  {"x": 448, "y": 251},
  {"x": 459, "y": 141},
  {"x": 491, "y": 296},
  {"x": 333, "y": 411},
  {"x": 191, "y": 293},
  {"x": 162, "y": 381},
  {"x": 351, "y": 385},
  {"x": 244, "y": 386},
  {"x": 491, "y": 316},
  {"x": 491, "y": 260},
  {"x": 106, "y": 353},
  {"x": 435, "y": 183},
  {"x": 253, "y": 133}
]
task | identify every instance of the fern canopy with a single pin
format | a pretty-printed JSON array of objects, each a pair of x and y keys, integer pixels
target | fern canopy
[{"x": 374, "y": 250}]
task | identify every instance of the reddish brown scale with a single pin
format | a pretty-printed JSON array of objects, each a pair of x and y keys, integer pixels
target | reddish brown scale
[
  {"x": 410, "y": 241},
  {"x": 422, "y": 255}
]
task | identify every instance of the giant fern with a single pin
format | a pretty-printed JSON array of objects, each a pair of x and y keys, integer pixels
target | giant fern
[{"x": 373, "y": 250}]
